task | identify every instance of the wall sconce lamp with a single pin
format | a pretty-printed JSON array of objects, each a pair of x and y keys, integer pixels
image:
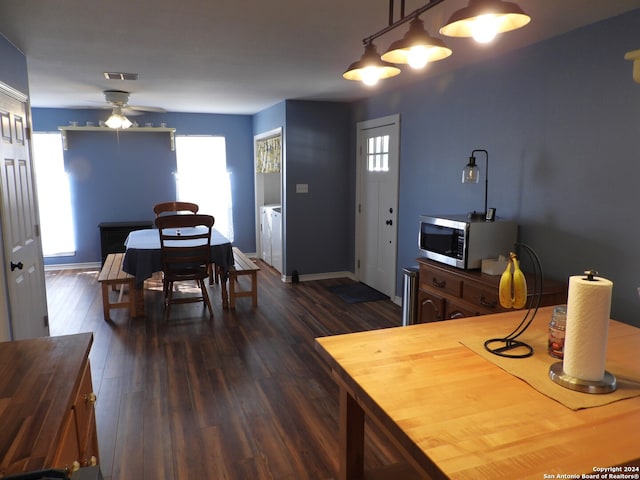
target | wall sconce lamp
[
  {"x": 481, "y": 19},
  {"x": 471, "y": 174},
  {"x": 117, "y": 119}
]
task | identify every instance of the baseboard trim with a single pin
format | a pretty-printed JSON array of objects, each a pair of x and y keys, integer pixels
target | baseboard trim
[
  {"x": 285, "y": 278},
  {"x": 320, "y": 276},
  {"x": 73, "y": 266}
]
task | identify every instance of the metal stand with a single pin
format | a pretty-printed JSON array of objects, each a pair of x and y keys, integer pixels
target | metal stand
[
  {"x": 508, "y": 346},
  {"x": 606, "y": 385}
]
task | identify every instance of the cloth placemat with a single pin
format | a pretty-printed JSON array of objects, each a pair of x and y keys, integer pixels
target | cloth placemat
[{"x": 535, "y": 371}]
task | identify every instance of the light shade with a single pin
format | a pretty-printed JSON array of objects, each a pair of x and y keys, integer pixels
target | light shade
[
  {"x": 370, "y": 68},
  {"x": 417, "y": 47},
  {"x": 117, "y": 119},
  {"x": 471, "y": 172},
  {"x": 483, "y": 19}
]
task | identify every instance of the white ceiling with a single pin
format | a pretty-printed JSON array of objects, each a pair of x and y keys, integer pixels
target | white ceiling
[{"x": 238, "y": 56}]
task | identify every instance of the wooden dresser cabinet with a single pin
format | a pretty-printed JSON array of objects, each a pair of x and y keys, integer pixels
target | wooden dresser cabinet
[
  {"x": 47, "y": 413},
  {"x": 114, "y": 234},
  {"x": 446, "y": 292}
]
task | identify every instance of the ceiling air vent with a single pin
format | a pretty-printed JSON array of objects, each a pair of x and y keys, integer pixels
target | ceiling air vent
[{"x": 120, "y": 76}]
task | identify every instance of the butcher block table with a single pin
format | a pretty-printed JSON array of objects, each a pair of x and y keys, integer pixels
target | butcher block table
[
  {"x": 47, "y": 405},
  {"x": 454, "y": 414}
]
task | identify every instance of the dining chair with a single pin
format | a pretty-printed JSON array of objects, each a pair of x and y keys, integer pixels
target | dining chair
[
  {"x": 171, "y": 208},
  {"x": 186, "y": 255}
]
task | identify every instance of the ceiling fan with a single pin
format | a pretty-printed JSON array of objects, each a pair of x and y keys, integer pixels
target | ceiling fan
[{"x": 118, "y": 100}]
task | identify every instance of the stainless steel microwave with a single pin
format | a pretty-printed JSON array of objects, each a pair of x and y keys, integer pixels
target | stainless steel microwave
[{"x": 463, "y": 243}]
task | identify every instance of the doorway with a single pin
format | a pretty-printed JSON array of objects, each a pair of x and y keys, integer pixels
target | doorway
[
  {"x": 268, "y": 166},
  {"x": 378, "y": 155}
]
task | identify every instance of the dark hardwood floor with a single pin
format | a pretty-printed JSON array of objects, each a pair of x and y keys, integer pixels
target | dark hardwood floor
[{"x": 242, "y": 396}]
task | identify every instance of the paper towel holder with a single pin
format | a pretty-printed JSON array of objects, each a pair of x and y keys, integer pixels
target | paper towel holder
[
  {"x": 607, "y": 385},
  {"x": 556, "y": 373}
]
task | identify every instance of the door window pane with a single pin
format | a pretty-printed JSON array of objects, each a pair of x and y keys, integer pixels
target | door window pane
[{"x": 378, "y": 154}]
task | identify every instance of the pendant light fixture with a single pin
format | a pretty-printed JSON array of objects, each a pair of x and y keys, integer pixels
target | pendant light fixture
[
  {"x": 417, "y": 47},
  {"x": 481, "y": 19},
  {"x": 370, "y": 68},
  {"x": 484, "y": 19}
]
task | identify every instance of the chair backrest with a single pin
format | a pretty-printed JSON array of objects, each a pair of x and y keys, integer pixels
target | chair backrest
[
  {"x": 185, "y": 243},
  {"x": 172, "y": 208}
]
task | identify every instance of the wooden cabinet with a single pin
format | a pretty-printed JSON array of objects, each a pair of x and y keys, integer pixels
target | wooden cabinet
[
  {"x": 47, "y": 415},
  {"x": 113, "y": 235},
  {"x": 430, "y": 307},
  {"x": 446, "y": 293}
]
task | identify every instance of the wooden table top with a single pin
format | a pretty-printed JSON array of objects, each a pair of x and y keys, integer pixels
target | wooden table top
[
  {"x": 460, "y": 416},
  {"x": 38, "y": 378}
]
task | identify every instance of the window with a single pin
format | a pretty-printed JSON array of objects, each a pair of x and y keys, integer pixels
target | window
[
  {"x": 202, "y": 178},
  {"x": 54, "y": 195},
  {"x": 378, "y": 154}
]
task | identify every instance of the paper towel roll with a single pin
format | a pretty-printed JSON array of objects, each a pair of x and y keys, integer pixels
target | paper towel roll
[{"x": 588, "y": 311}]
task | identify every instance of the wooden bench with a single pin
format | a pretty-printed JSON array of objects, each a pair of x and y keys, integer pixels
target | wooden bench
[
  {"x": 243, "y": 265},
  {"x": 112, "y": 275}
]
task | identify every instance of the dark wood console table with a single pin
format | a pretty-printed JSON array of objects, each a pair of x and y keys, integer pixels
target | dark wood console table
[
  {"x": 446, "y": 293},
  {"x": 113, "y": 235}
]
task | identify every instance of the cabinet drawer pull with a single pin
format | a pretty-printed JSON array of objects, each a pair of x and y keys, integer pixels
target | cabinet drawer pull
[
  {"x": 484, "y": 303},
  {"x": 438, "y": 284}
]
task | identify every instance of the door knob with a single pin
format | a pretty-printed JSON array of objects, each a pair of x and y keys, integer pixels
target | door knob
[
  {"x": 389, "y": 222},
  {"x": 16, "y": 265}
]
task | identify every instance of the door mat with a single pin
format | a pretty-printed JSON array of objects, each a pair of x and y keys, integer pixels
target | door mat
[{"x": 357, "y": 293}]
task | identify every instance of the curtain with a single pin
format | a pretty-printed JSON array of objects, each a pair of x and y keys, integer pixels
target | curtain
[{"x": 268, "y": 154}]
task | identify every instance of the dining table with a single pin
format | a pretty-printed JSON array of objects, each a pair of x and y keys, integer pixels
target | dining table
[
  {"x": 453, "y": 410},
  {"x": 143, "y": 258}
]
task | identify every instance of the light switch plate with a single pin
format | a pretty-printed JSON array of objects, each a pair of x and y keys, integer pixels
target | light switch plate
[{"x": 302, "y": 188}]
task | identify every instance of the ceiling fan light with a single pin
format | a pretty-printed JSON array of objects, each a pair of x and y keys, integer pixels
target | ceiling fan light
[
  {"x": 417, "y": 47},
  {"x": 474, "y": 19},
  {"x": 118, "y": 120},
  {"x": 370, "y": 68},
  {"x": 113, "y": 122}
]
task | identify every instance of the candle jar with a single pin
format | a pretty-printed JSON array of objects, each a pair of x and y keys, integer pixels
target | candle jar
[{"x": 557, "y": 327}]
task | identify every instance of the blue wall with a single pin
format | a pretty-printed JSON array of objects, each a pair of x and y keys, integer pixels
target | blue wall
[
  {"x": 560, "y": 121},
  {"x": 13, "y": 66},
  {"x": 120, "y": 176},
  {"x": 317, "y": 153},
  {"x": 115, "y": 178},
  {"x": 269, "y": 119},
  {"x": 316, "y": 225}
]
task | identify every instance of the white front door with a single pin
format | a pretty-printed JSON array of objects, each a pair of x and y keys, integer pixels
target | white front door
[
  {"x": 26, "y": 304},
  {"x": 377, "y": 203}
]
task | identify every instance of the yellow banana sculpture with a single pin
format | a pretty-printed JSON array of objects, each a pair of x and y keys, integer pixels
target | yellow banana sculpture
[
  {"x": 504, "y": 291},
  {"x": 513, "y": 285}
]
